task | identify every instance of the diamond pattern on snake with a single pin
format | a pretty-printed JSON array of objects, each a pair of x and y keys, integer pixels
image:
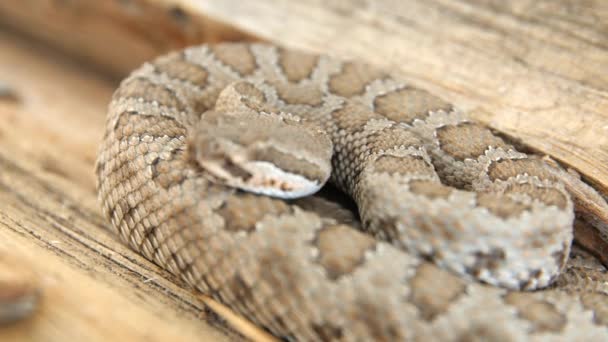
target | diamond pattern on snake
[{"x": 209, "y": 159}]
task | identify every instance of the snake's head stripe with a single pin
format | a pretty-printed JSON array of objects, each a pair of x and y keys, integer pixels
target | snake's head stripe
[{"x": 262, "y": 153}]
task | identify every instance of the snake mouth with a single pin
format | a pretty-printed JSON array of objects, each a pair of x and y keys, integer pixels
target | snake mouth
[
  {"x": 270, "y": 180},
  {"x": 262, "y": 178}
]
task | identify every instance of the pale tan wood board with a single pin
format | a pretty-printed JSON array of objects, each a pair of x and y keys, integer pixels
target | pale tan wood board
[{"x": 93, "y": 288}]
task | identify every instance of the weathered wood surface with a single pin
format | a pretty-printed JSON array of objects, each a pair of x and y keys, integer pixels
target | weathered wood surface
[
  {"x": 115, "y": 36},
  {"x": 93, "y": 287},
  {"x": 535, "y": 70}
]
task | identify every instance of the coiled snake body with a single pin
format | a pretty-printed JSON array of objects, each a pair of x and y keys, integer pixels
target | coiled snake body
[{"x": 446, "y": 201}]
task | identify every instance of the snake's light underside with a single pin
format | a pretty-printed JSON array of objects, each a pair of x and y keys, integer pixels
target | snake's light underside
[{"x": 455, "y": 221}]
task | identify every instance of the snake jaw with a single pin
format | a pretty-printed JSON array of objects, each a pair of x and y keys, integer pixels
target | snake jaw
[
  {"x": 268, "y": 179},
  {"x": 239, "y": 167}
]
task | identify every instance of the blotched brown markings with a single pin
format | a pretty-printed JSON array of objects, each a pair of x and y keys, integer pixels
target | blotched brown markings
[
  {"x": 382, "y": 228},
  {"x": 485, "y": 331},
  {"x": 486, "y": 261},
  {"x": 240, "y": 213},
  {"x": 297, "y": 65},
  {"x": 289, "y": 163},
  {"x": 179, "y": 248},
  {"x": 500, "y": 206},
  {"x": 433, "y": 290},
  {"x": 377, "y": 317},
  {"x": 392, "y": 137},
  {"x": 250, "y": 96},
  {"x": 141, "y": 88},
  {"x": 404, "y": 165},
  {"x": 467, "y": 140},
  {"x": 175, "y": 66},
  {"x": 131, "y": 124},
  {"x": 353, "y": 79},
  {"x": 507, "y": 168},
  {"x": 598, "y": 303},
  {"x": 342, "y": 259},
  {"x": 279, "y": 321},
  {"x": 242, "y": 97},
  {"x": 171, "y": 225},
  {"x": 334, "y": 205},
  {"x": 327, "y": 332},
  {"x": 123, "y": 167},
  {"x": 279, "y": 275},
  {"x": 430, "y": 189},
  {"x": 309, "y": 95},
  {"x": 118, "y": 211},
  {"x": 242, "y": 294},
  {"x": 236, "y": 56},
  {"x": 543, "y": 315},
  {"x": 346, "y": 172},
  {"x": 435, "y": 227},
  {"x": 548, "y": 196},
  {"x": 170, "y": 172},
  {"x": 352, "y": 118},
  {"x": 407, "y": 104},
  {"x": 246, "y": 89}
]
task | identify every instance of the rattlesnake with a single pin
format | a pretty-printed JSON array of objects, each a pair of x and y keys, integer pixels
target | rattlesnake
[{"x": 185, "y": 130}]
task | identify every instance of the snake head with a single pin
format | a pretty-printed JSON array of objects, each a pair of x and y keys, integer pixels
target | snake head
[{"x": 268, "y": 154}]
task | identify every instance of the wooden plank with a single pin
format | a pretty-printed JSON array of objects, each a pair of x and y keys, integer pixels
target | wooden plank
[
  {"x": 93, "y": 288},
  {"x": 114, "y": 36}
]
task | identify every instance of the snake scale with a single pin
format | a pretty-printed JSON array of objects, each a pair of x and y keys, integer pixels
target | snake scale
[{"x": 454, "y": 222}]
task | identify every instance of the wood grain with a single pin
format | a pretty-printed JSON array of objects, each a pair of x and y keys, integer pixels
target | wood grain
[
  {"x": 535, "y": 70},
  {"x": 93, "y": 288},
  {"x": 114, "y": 36}
]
